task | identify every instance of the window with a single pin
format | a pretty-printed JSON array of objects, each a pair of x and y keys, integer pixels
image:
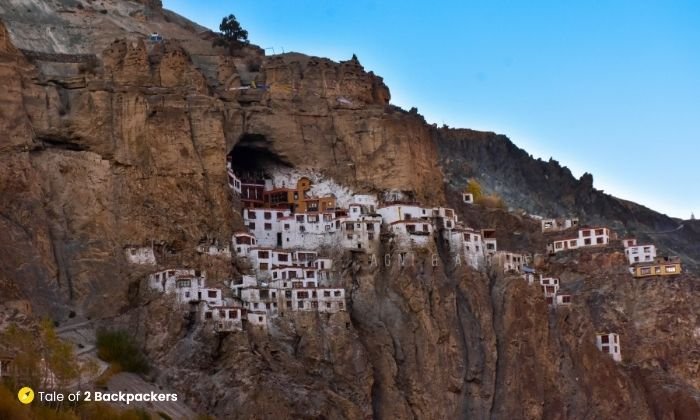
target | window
[
  {"x": 605, "y": 339},
  {"x": 586, "y": 232},
  {"x": 326, "y": 293},
  {"x": 328, "y": 305},
  {"x": 286, "y": 226},
  {"x": 268, "y": 215},
  {"x": 370, "y": 236},
  {"x": 336, "y": 293},
  {"x": 280, "y": 215},
  {"x": 310, "y": 274},
  {"x": 467, "y": 237},
  {"x": 300, "y": 218},
  {"x": 670, "y": 268},
  {"x": 207, "y": 315},
  {"x": 268, "y": 226},
  {"x": 558, "y": 245},
  {"x": 300, "y": 305},
  {"x": 184, "y": 283},
  {"x": 255, "y": 305},
  {"x": 645, "y": 270},
  {"x": 263, "y": 254},
  {"x": 566, "y": 299},
  {"x": 599, "y": 232},
  {"x": 572, "y": 243},
  {"x": 264, "y": 266},
  {"x": 407, "y": 216},
  {"x": 606, "y": 349},
  {"x": 600, "y": 241},
  {"x": 251, "y": 214},
  {"x": 283, "y": 257},
  {"x": 349, "y": 236},
  {"x": 310, "y": 284},
  {"x": 302, "y": 295},
  {"x": 587, "y": 241},
  {"x": 251, "y": 226},
  {"x": 211, "y": 294}
]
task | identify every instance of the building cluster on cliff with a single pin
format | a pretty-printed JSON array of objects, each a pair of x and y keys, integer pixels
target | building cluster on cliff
[{"x": 292, "y": 240}]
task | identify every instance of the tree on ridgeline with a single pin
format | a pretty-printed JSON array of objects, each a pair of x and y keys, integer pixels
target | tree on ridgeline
[{"x": 231, "y": 34}]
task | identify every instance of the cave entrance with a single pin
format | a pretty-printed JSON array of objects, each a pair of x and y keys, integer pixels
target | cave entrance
[{"x": 253, "y": 164}]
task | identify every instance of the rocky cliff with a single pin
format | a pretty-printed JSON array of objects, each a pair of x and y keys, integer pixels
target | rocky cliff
[
  {"x": 113, "y": 140},
  {"x": 549, "y": 189}
]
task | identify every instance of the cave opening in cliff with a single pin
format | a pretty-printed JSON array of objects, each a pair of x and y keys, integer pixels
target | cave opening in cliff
[{"x": 253, "y": 158}]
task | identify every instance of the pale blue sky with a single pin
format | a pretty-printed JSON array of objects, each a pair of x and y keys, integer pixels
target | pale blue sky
[{"x": 608, "y": 87}]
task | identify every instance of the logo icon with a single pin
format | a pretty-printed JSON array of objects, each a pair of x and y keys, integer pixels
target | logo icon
[{"x": 25, "y": 395}]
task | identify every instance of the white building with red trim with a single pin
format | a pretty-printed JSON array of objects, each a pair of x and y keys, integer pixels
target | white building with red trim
[
  {"x": 242, "y": 242},
  {"x": 640, "y": 253},
  {"x": 587, "y": 237},
  {"x": 609, "y": 343}
]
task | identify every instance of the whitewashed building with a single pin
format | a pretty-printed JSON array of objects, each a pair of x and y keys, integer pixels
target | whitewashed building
[
  {"x": 242, "y": 242},
  {"x": 320, "y": 300},
  {"x": 266, "y": 224},
  {"x": 224, "y": 318},
  {"x": 233, "y": 181},
  {"x": 142, "y": 255},
  {"x": 260, "y": 299},
  {"x": 550, "y": 288},
  {"x": 444, "y": 218},
  {"x": 489, "y": 238},
  {"x": 257, "y": 318},
  {"x": 412, "y": 233},
  {"x": 323, "y": 267},
  {"x": 640, "y": 253},
  {"x": 558, "y": 225},
  {"x": 529, "y": 275},
  {"x": 468, "y": 198},
  {"x": 401, "y": 212},
  {"x": 628, "y": 242},
  {"x": 467, "y": 243},
  {"x": 331, "y": 300},
  {"x": 214, "y": 250},
  {"x": 563, "y": 300},
  {"x": 169, "y": 280},
  {"x": 507, "y": 261},
  {"x": 609, "y": 343},
  {"x": 587, "y": 237}
]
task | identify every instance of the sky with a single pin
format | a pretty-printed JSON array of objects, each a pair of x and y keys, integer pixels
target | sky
[{"x": 606, "y": 87}]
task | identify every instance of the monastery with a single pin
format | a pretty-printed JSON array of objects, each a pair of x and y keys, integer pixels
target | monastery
[{"x": 288, "y": 228}]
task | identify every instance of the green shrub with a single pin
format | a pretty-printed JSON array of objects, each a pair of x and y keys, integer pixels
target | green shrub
[{"x": 118, "y": 348}]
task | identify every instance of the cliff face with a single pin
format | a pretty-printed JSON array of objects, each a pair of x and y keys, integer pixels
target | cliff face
[
  {"x": 548, "y": 189},
  {"x": 112, "y": 140}
]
